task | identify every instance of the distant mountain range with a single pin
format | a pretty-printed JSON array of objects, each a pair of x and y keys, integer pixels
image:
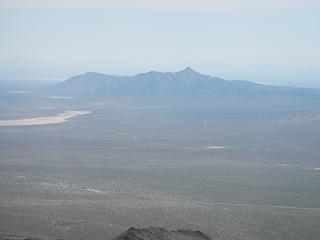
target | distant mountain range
[{"x": 186, "y": 83}]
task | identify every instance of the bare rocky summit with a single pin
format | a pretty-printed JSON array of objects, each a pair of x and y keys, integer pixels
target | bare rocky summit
[{"x": 153, "y": 233}]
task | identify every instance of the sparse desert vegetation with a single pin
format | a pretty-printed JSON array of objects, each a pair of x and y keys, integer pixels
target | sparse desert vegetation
[{"x": 246, "y": 175}]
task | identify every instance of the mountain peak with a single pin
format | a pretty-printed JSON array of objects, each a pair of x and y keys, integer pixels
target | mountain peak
[{"x": 189, "y": 69}]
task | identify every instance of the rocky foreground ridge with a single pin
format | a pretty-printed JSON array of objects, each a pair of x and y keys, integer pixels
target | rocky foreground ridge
[{"x": 153, "y": 233}]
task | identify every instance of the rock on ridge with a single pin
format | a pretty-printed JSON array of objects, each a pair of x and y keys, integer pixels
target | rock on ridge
[{"x": 153, "y": 233}]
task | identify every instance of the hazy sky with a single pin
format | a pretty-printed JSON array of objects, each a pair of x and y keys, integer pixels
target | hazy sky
[{"x": 269, "y": 41}]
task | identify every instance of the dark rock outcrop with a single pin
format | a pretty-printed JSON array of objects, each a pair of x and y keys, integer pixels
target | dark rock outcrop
[{"x": 152, "y": 233}]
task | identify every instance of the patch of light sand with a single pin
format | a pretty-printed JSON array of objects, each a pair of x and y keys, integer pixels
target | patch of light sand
[
  {"x": 60, "y": 97},
  {"x": 94, "y": 190},
  {"x": 19, "y": 92},
  {"x": 59, "y": 118},
  {"x": 214, "y": 147}
]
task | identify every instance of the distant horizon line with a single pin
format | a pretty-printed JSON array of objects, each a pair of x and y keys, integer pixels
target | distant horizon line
[
  {"x": 85, "y": 72},
  {"x": 33, "y": 78},
  {"x": 42, "y": 78},
  {"x": 187, "y": 68}
]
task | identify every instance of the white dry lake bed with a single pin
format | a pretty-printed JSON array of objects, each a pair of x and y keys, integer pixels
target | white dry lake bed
[{"x": 55, "y": 119}]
